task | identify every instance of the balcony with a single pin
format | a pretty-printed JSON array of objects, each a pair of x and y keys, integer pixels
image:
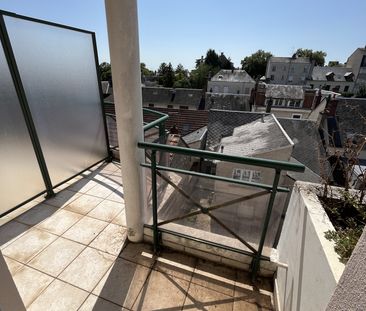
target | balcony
[{"x": 75, "y": 246}]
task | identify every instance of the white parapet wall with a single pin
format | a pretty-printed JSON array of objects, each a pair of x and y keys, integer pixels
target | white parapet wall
[{"x": 313, "y": 269}]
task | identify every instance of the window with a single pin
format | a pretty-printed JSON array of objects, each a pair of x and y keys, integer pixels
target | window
[
  {"x": 246, "y": 175},
  {"x": 297, "y": 103},
  {"x": 291, "y": 103},
  {"x": 272, "y": 77},
  {"x": 278, "y": 102},
  {"x": 151, "y": 105},
  {"x": 274, "y": 68},
  {"x": 155, "y": 93},
  {"x": 216, "y": 89},
  {"x": 246, "y": 90},
  {"x": 292, "y": 69},
  {"x": 305, "y": 69},
  {"x": 220, "y": 77},
  {"x": 190, "y": 95},
  {"x": 170, "y": 106},
  {"x": 346, "y": 88},
  {"x": 303, "y": 78},
  {"x": 336, "y": 88},
  {"x": 296, "y": 116},
  {"x": 326, "y": 87},
  {"x": 363, "y": 63},
  {"x": 282, "y": 77},
  {"x": 226, "y": 89},
  {"x": 183, "y": 107},
  {"x": 312, "y": 86},
  {"x": 290, "y": 78},
  {"x": 284, "y": 68}
]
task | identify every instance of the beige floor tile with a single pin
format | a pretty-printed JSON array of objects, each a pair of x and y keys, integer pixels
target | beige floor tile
[
  {"x": 30, "y": 283},
  {"x": 59, "y": 222},
  {"x": 82, "y": 185},
  {"x": 94, "y": 303},
  {"x": 10, "y": 232},
  {"x": 84, "y": 204},
  {"x": 240, "y": 304},
  {"x": 176, "y": 264},
  {"x": 215, "y": 276},
  {"x": 29, "y": 245},
  {"x": 140, "y": 253},
  {"x": 250, "y": 295},
  {"x": 57, "y": 256},
  {"x": 87, "y": 269},
  {"x": 13, "y": 265},
  {"x": 122, "y": 283},
  {"x": 117, "y": 195},
  {"x": 86, "y": 230},
  {"x": 111, "y": 239},
  {"x": 101, "y": 190},
  {"x": 107, "y": 210},
  {"x": 161, "y": 291},
  {"x": 63, "y": 198},
  {"x": 203, "y": 298},
  {"x": 59, "y": 296},
  {"x": 113, "y": 180},
  {"x": 120, "y": 219},
  {"x": 37, "y": 214}
]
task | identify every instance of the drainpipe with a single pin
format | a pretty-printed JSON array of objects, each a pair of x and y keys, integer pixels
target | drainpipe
[{"x": 125, "y": 60}]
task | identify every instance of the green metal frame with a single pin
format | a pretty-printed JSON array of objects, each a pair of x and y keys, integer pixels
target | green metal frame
[{"x": 277, "y": 166}]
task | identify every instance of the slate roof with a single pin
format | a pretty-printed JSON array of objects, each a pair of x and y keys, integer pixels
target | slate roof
[
  {"x": 221, "y": 123},
  {"x": 259, "y": 136},
  {"x": 308, "y": 147},
  {"x": 232, "y": 76},
  {"x": 195, "y": 136},
  {"x": 307, "y": 175},
  {"x": 284, "y": 91},
  {"x": 275, "y": 59},
  {"x": 351, "y": 116},
  {"x": 319, "y": 73}
]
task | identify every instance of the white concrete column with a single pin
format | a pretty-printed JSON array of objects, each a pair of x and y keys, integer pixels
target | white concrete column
[{"x": 125, "y": 60}]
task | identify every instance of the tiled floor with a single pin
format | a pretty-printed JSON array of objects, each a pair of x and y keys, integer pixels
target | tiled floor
[{"x": 70, "y": 253}]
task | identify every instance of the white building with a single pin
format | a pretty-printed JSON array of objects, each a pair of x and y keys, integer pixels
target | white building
[
  {"x": 231, "y": 82},
  {"x": 289, "y": 70}
]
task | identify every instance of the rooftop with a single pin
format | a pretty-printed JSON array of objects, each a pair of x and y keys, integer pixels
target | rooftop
[
  {"x": 260, "y": 136},
  {"x": 276, "y": 59},
  {"x": 284, "y": 91},
  {"x": 320, "y": 73},
  {"x": 232, "y": 76}
]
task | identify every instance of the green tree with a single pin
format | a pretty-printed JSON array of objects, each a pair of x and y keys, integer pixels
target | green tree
[
  {"x": 145, "y": 72},
  {"x": 225, "y": 63},
  {"x": 181, "y": 77},
  {"x": 255, "y": 64},
  {"x": 166, "y": 75},
  {"x": 105, "y": 71},
  {"x": 361, "y": 93},
  {"x": 201, "y": 74},
  {"x": 317, "y": 56},
  {"x": 212, "y": 58}
]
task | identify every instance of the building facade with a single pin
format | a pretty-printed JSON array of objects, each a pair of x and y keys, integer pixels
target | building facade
[
  {"x": 289, "y": 70},
  {"x": 357, "y": 61}
]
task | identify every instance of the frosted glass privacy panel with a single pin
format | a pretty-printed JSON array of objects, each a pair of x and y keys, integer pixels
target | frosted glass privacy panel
[
  {"x": 20, "y": 177},
  {"x": 57, "y": 68}
]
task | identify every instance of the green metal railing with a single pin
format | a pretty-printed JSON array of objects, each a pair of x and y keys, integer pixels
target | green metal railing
[{"x": 270, "y": 189}]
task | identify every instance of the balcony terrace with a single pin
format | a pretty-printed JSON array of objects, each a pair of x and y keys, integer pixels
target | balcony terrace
[{"x": 71, "y": 252}]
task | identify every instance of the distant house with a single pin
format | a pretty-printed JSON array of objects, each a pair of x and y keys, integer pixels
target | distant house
[
  {"x": 289, "y": 70},
  {"x": 357, "y": 61},
  {"x": 231, "y": 82},
  {"x": 336, "y": 79},
  {"x": 286, "y": 101},
  {"x": 162, "y": 97}
]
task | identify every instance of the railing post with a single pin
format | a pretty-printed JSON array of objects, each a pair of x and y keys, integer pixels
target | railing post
[
  {"x": 162, "y": 133},
  {"x": 256, "y": 259},
  {"x": 154, "y": 198}
]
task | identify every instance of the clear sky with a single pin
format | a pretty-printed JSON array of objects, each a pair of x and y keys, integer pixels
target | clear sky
[{"x": 180, "y": 31}]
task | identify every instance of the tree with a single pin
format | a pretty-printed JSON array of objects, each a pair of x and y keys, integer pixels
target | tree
[
  {"x": 166, "y": 75},
  {"x": 105, "y": 71},
  {"x": 317, "y": 56},
  {"x": 181, "y": 77},
  {"x": 145, "y": 72},
  {"x": 255, "y": 64},
  {"x": 212, "y": 58},
  {"x": 361, "y": 93},
  {"x": 200, "y": 75},
  {"x": 334, "y": 63},
  {"x": 225, "y": 63}
]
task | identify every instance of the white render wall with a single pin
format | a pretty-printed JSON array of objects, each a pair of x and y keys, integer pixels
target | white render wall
[{"x": 313, "y": 266}]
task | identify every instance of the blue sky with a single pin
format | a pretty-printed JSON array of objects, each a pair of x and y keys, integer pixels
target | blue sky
[{"x": 180, "y": 31}]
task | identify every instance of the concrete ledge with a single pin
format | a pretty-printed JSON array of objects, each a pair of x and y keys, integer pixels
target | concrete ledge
[
  {"x": 313, "y": 266},
  {"x": 216, "y": 254}
]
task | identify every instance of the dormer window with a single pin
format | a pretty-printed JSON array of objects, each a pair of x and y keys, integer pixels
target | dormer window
[
  {"x": 349, "y": 76},
  {"x": 220, "y": 77},
  {"x": 330, "y": 76}
]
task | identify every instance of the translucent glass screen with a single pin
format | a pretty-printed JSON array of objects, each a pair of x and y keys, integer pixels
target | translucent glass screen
[
  {"x": 57, "y": 69},
  {"x": 20, "y": 177}
]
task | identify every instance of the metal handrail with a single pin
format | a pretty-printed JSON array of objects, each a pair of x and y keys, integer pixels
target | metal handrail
[
  {"x": 281, "y": 165},
  {"x": 156, "y": 122}
]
